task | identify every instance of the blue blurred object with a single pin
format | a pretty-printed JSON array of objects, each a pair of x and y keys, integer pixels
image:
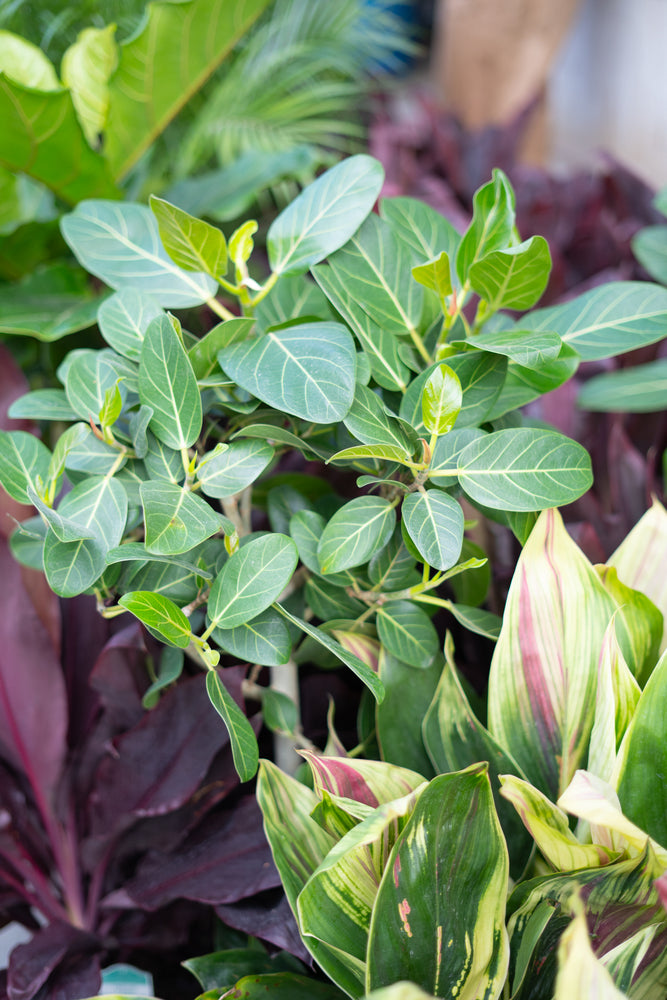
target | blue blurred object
[{"x": 405, "y": 16}]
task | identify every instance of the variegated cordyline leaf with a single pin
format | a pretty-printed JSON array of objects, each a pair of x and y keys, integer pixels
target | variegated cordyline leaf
[
  {"x": 338, "y": 815},
  {"x": 549, "y": 827},
  {"x": 640, "y": 560},
  {"x": 642, "y": 759},
  {"x": 615, "y": 701},
  {"x": 335, "y": 905},
  {"x": 639, "y": 624},
  {"x": 594, "y": 800},
  {"x": 297, "y": 842},
  {"x": 369, "y": 781},
  {"x": 544, "y": 668},
  {"x": 400, "y": 991},
  {"x": 439, "y": 915},
  {"x": 363, "y": 646},
  {"x": 580, "y": 973}
]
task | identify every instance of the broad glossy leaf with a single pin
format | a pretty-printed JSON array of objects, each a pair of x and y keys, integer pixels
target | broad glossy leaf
[
  {"x": 642, "y": 389},
  {"x": 420, "y": 226},
  {"x": 282, "y": 986},
  {"x": 407, "y": 632},
  {"x": 279, "y": 436},
  {"x": 476, "y": 620},
  {"x": 544, "y": 669},
  {"x": 123, "y": 319},
  {"x": 49, "y": 304},
  {"x": 375, "y": 452},
  {"x": 530, "y": 349},
  {"x": 23, "y": 457},
  {"x": 355, "y": 532},
  {"x": 434, "y": 522},
  {"x": 251, "y": 580},
  {"x": 160, "y": 614},
  {"x": 639, "y": 559},
  {"x": 374, "y": 266},
  {"x": 265, "y": 639},
  {"x": 89, "y": 375},
  {"x": 524, "y": 469},
  {"x": 649, "y": 246},
  {"x": 191, "y": 243},
  {"x": 176, "y": 519},
  {"x": 491, "y": 226},
  {"x": 481, "y": 376},
  {"x": 292, "y": 297},
  {"x": 231, "y": 470},
  {"x": 167, "y": 384},
  {"x": 241, "y": 734},
  {"x": 162, "y": 462},
  {"x": 381, "y": 348},
  {"x": 64, "y": 528},
  {"x": 307, "y": 370},
  {"x": 325, "y": 215},
  {"x": 42, "y": 404},
  {"x": 357, "y": 666},
  {"x": 98, "y": 504},
  {"x": 137, "y": 552},
  {"x": 442, "y": 400},
  {"x": 156, "y": 77},
  {"x": 444, "y": 887},
  {"x": 120, "y": 243},
  {"x": 436, "y": 275},
  {"x": 443, "y": 470},
  {"x": 608, "y": 320},
  {"x": 369, "y": 422},
  {"x": 408, "y": 694},
  {"x": 513, "y": 277},
  {"x": 524, "y": 383},
  {"x": 86, "y": 67},
  {"x": 204, "y": 354},
  {"x": 393, "y": 567},
  {"x": 334, "y": 907}
]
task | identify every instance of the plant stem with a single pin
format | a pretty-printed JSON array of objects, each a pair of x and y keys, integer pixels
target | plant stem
[
  {"x": 219, "y": 309},
  {"x": 265, "y": 289}
]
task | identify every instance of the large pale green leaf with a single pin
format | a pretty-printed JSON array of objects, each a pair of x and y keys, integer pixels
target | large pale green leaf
[
  {"x": 42, "y": 404},
  {"x": 191, "y": 243},
  {"x": 369, "y": 421},
  {"x": 380, "y": 347},
  {"x": 524, "y": 469},
  {"x": 640, "y": 559},
  {"x": 393, "y": 568},
  {"x": 608, "y": 320},
  {"x": 513, "y": 277},
  {"x": 23, "y": 457},
  {"x": 86, "y": 68},
  {"x": 90, "y": 374},
  {"x": 204, "y": 354},
  {"x": 168, "y": 386},
  {"x": 443, "y": 470},
  {"x": 233, "y": 468},
  {"x": 176, "y": 520},
  {"x": 251, "y": 580},
  {"x": 64, "y": 528},
  {"x": 524, "y": 383},
  {"x": 159, "y": 614},
  {"x": 307, "y": 370},
  {"x": 123, "y": 319},
  {"x": 530, "y": 349},
  {"x": 26, "y": 63},
  {"x": 642, "y": 389},
  {"x": 438, "y": 918},
  {"x": 241, "y": 734},
  {"x": 492, "y": 223},
  {"x": 120, "y": 243},
  {"x": 423, "y": 228},
  {"x": 407, "y": 632},
  {"x": 163, "y": 65},
  {"x": 49, "y": 304},
  {"x": 287, "y": 804},
  {"x": 325, "y": 215},
  {"x": 355, "y": 532},
  {"x": 650, "y": 248},
  {"x": 264, "y": 640},
  {"x": 100, "y": 505},
  {"x": 434, "y": 521},
  {"x": 544, "y": 669},
  {"x": 292, "y": 297},
  {"x": 334, "y": 907}
]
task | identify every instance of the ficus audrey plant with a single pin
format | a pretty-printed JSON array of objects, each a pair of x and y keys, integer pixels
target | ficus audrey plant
[{"x": 396, "y": 374}]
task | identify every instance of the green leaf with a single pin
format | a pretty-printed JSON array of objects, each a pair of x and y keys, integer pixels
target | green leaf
[
  {"x": 204, "y": 354},
  {"x": 649, "y": 246},
  {"x": 442, "y": 399},
  {"x": 137, "y": 552},
  {"x": 162, "y": 462},
  {"x": 435, "y": 274},
  {"x": 265, "y": 639},
  {"x": 120, "y": 243},
  {"x": 639, "y": 624},
  {"x": 408, "y": 694},
  {"x": 445, "y": 459},
  {"x": 380, "y": 347},
  {"x": 528, "y": 348},
  {"x": 514, "y": 277},
  {"x": 641, "y": 389},
  {"x": 292, "y": 297},
  {"x": 392, "y": 568},
  {"x": 161, "y": 615},
  {"x": 477, "y": 620},
  {"x": 26, "y": 542},
  {"x": 283, "y": 986},
  {"x": 307, "y": 370},
  {"x": 544, "y": 669},
  {"x": 492, "y": 224},
  {"x": 279, "y": 436},
  {"x": 167, "y": 384},
  {"x": 64, "y": 528},
  {"x": 481, "y": 376},
  {"x": 365, "y": 782},
  {"x": 524, "y": 469},
  {"x": 406, "y": 631},
  {"x": 86, "y": 68},
  {"x": 123, "y": 319},
  {"x": 361, "y": 669},
  {"x": 369, "y": 422},
  {"x": 157, "y": 75},
  {"x": 42, "y": 404},
  {"x": 580, "y": 972},
  {"x": 251, "y": 580},
  {"x": 639, "y": 559},
  {"x": 614, "y": 318},
  {"x": 378, "y": 452},
  {"x": 616, "y": 698},
  {"x": 279, "y": 712},
  {"x": 241, "y": 736},
  {"x": 420, "y": 226},
  {"x": 49, "y": 304},
  {"x": 26, "y": 63},
  {"x": 90, "y": 374},
  {"x": 98, "y": 504},
  {"x": 220, "y": 969},
  {"x": 234, "y": 468},
  {"x": 356, "y": 531},
  {"x": 176, "y": 520},
  {"x": 524, "y": 384},
  {"x": 23, "y": 457},
  {"x": 434, "y": 522},
  {"x": 444, "y": 888},
  {"x": 191, "y": 243},
  {"x": 325, "y": 215}
]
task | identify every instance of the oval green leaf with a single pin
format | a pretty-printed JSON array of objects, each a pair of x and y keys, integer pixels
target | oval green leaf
[
  {"x": 251, "y": 580},
  {"x": 355, "y": 532},
  {"x": 434, "y": 522}
]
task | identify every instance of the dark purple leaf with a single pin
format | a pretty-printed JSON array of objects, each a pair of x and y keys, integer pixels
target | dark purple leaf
[
  {"x": 84, "y": 633},
  {"x": 226, "y": 860},
  {"x": 31, "y": 964},
  {"x": 268, "y": 917},
  {"x": 74, "y": 979},
  {"x": 33, "y": 709}
]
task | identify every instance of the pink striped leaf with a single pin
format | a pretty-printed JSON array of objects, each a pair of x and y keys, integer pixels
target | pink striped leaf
[
  {"x": 544, "y": 669},
  {"x": 369, "y": 781}
]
